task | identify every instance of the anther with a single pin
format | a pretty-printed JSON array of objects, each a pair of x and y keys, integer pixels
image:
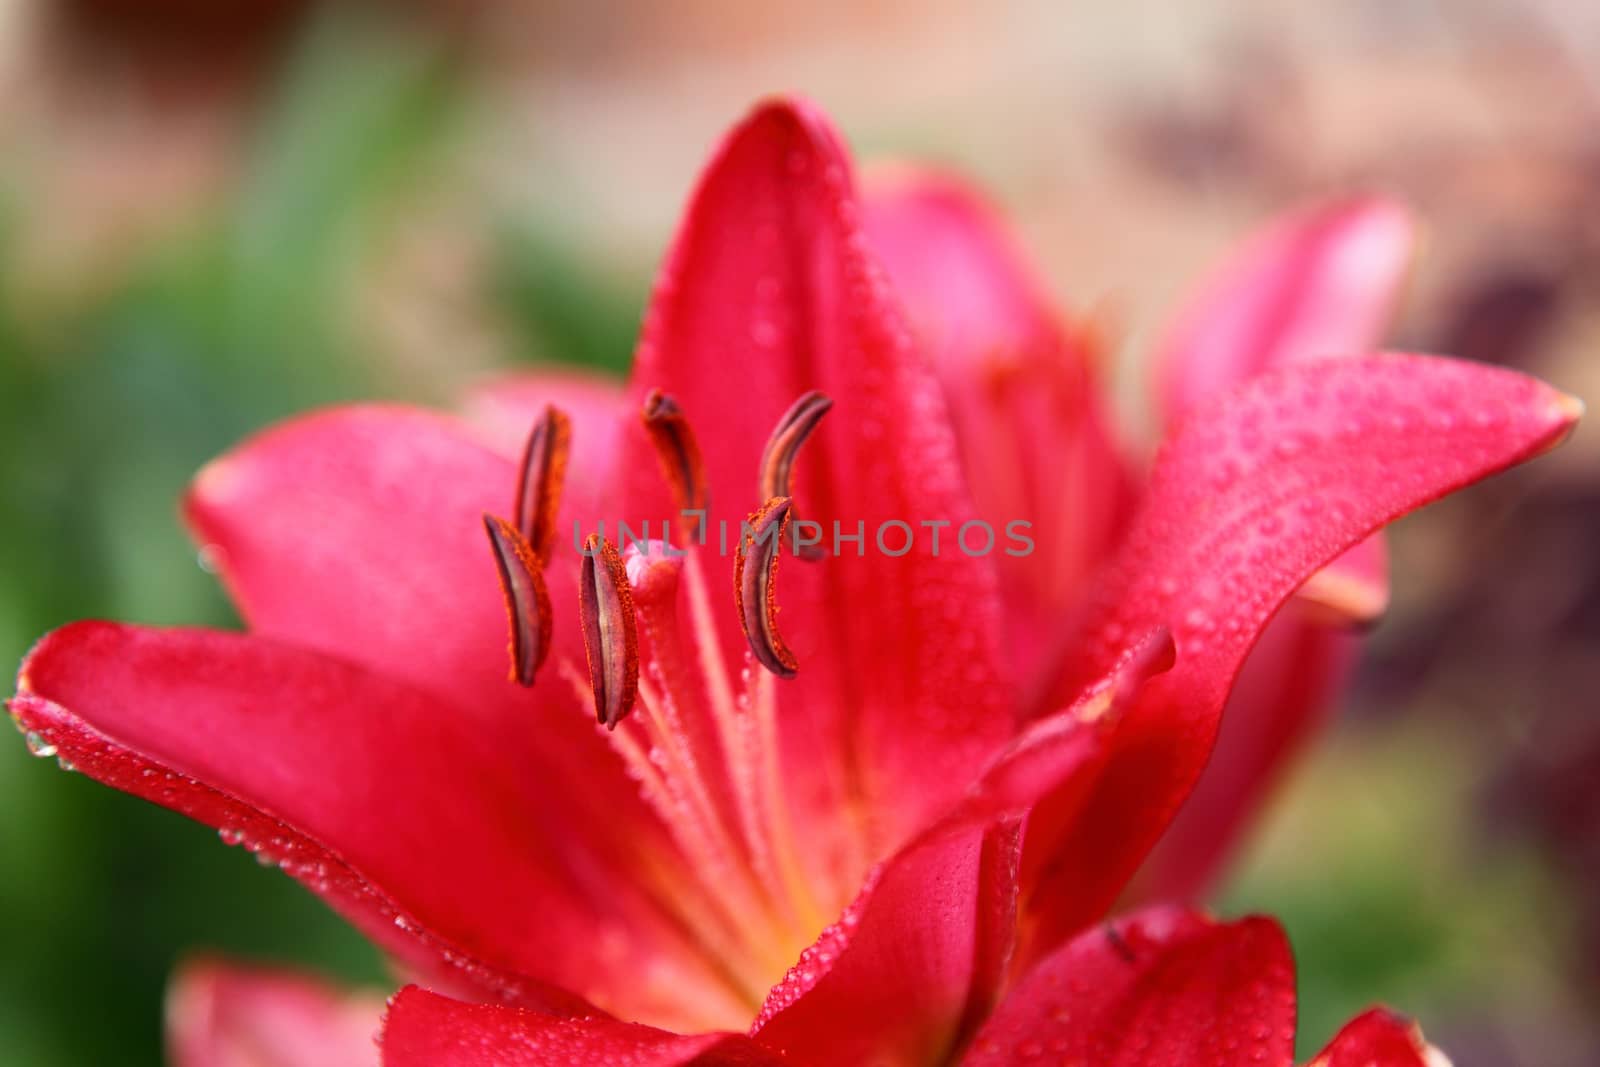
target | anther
[
  {"x": 544, "y": 468},
  {"x": 527, "y": 599},
  {"x": 755, "y": 570},
  {"x": 777, "y": 459},
  {"x": 610, "y": 632},
  {"x": 678, "y": 452}
]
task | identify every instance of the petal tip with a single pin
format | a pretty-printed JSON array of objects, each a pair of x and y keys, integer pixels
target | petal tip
[
  {"x": 47, "y": 644},
  {"x": 1564, "y": 412},
  {"x": 1569, "y": 407},
  {"x": 1340, "y": 599},
  {"x": 787, "y": 105},
  {"x": 211, "y": 482}
]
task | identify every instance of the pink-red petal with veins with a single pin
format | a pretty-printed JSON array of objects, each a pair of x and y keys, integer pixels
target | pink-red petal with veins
[
  {"x": 423, "y": 1029},
  {"x": 1252, "y": 495},
  {"x": 1379, "y": 1038},
  {"x": 379, "y": 797},
  {"x": 1024, "y": 396},
  {"x": 1162, "y": 987},
  {"x": 918, "y": 959},
  {"x": 770, "y": 290}
]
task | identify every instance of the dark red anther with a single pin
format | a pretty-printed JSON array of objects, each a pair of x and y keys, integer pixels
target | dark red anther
[
  {"x": 777, "y": 459},
  {"x": 527, "y": 599},
  {"x": 755, "y": 571},
  {"x": 678, "y": 452},
  {"x": 539, "y": 483},
  {"x": 610, "y": 631}
]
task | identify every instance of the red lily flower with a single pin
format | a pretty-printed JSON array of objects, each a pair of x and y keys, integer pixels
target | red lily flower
[
  {"x": 864, "y": 856},
  {"x": 1036, "y": 440}
]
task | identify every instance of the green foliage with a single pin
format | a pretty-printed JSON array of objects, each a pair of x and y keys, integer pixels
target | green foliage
[
  {"x": 106, "y": 411},
  {"x": 562, "y": 307}
]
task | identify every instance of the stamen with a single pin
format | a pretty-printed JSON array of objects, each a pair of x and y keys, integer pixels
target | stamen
[
  {"x": 610, "y": 632},
  {"x": 678, "y": 452},
  {"x": 544, "y": 468},
  {"x": 777, "y": 459},
  {"x": 527, "y": 599},
  {"x": 755, "y": 587}
]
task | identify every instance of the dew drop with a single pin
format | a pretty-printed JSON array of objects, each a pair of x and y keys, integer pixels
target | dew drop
[
  {"x": 39, "y": 746},
  {"x": 764, "y": 332}
]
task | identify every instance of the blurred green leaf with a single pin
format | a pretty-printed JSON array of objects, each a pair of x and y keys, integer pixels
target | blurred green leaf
[
  {"x": 105, "y": 413},
  {"x": 1369, "y": 861},
  {"x": 561, "y": 306}
]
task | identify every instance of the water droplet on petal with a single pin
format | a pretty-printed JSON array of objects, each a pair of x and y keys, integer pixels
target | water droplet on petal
[
  {"x": 39, "y": 746},
  {"x": 764, "y": 332}
]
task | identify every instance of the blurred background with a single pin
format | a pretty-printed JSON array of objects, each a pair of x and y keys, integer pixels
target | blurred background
[{"x": 213, "y": 215}]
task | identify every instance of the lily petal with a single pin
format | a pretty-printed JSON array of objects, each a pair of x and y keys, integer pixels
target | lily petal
[
  {"x": 1288, "y": 683},
  {"x": 423, "y": 1029},
  {"x": 1323, "y": 282},
  {"x": 1379, "y": 1038},
  {"x": 381, "y": 798},
  {"x": 1251, "y": 496},
  {"x": 769, "y": 292},
  {"x": 225, "y": 1015},
  {"x": 1163, "y": 987},
  {"x": 917, "y": 960},
  {"x": 890, "y": 981},
  {"x": 1319, "y": 283},
  {"x": 1353, "y": 590},
  {"x": 339, "y": 531},
  {"x": 505, "y": 407},
  {"x": 1021, "y": 386}
]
